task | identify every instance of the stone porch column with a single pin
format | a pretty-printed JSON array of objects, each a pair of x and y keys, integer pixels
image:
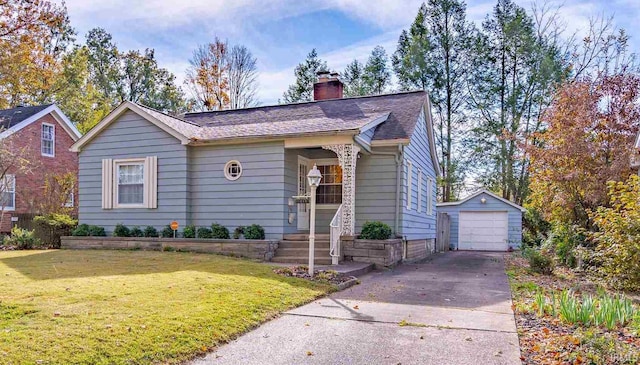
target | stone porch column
[{"x": 347, "y": 157}]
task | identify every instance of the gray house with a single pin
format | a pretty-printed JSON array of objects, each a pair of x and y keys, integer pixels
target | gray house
[
  {"x": 484, "y": 221},
  {"x": 141, "y": 167}
]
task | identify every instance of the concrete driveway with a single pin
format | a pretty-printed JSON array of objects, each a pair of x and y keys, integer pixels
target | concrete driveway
[{"x": 455, "y": 308}]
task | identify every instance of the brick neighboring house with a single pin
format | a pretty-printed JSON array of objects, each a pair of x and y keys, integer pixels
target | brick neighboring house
[{"x": 43, "y": 135}]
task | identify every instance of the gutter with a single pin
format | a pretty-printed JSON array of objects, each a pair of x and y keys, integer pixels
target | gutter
[{"x": 398, "y": 159}]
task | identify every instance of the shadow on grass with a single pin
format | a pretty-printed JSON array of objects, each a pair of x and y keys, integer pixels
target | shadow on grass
[{"x": 59, "y": 264}]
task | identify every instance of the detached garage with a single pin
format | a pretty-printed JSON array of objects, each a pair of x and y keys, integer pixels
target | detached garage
[{"x": 484, "y": 222}]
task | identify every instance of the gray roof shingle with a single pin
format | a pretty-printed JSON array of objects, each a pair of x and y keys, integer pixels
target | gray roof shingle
[
  {"x": 13, "y": 116},
  {"x": 313, "y": 117}
]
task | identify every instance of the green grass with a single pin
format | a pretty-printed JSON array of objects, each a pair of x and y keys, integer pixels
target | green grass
[{"x": 133, "y": 307}]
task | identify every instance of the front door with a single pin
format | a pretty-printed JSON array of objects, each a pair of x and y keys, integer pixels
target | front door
[{"x": 303, "y": 190}]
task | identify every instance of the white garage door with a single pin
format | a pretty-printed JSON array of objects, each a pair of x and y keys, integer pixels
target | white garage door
[{"x": 485, "y": 231}]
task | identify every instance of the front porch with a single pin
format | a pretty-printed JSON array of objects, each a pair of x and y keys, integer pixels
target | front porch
[{"x": 335, "y": 198}]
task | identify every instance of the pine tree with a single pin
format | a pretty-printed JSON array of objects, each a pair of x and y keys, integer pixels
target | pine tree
[
  {"x": 306, "y": 76},
  {"x": 377, "y": 75},
  {"x": 352, "y": 77}
]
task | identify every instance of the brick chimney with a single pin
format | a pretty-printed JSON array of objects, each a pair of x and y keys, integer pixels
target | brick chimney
[{"x": 328, "y": 86}]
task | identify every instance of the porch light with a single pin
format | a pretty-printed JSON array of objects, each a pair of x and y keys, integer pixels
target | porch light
[{"x": 314, "y": 177}]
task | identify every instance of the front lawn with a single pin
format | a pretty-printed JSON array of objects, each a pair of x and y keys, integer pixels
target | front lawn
[
  {"x": 133, "y": 307},
  {"x": 553, "y": 332}
]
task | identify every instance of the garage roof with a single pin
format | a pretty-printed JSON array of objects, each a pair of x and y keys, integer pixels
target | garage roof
[{"x": 481, "y": 191}]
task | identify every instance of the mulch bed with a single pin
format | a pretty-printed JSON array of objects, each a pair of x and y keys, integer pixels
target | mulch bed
[
  {"x": 547, "y": 340},
  {"x": 302, "y": 272}
]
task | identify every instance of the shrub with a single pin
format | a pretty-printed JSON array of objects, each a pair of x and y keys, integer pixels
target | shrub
[
  {"x": 563, "y": 241},
  {"x": 22, "y": 239},
  {"x": 81, "y": 230},
  {"x": 121, "y": 231},
  {"x": 539, "y": 262},
  {"x": 189, "y": 231},
  {"x": 204, "y": 232},
  {"x": 49, "y": 228},
  {"x": 254, "y": 232},
  {"x": 150, "y": 231},
  {"x": 167, "y": 232},
  {"x": 238, "y": 232},
  {"x": 616, "y": 255},
  {"x": 97, "y": 231},
  {"x": 219, "y": 231},
  {"x": 136, "y": 232},
  {"x": 375, "y": 231},
  {"x": 535, "y": 228}
]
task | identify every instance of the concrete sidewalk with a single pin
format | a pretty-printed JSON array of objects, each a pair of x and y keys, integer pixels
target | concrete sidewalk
[{"x": 454, "y": 309}]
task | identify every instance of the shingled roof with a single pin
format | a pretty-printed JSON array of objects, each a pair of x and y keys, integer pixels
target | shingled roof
[
  {"x": 402, "y": 109},
  {"x": 13, "y": 116}
]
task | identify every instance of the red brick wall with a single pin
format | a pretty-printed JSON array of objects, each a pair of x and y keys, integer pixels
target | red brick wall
[{"x": 30, "y": 185}]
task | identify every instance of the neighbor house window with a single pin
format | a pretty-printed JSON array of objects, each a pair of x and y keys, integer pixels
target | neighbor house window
[
  {"x": 48, "y": 138},
  {"x": 130, "y": 183},
  {"x": 70, "y": 201},
  {"x": 8, "y": 192},
  {"x": 420, "y": 191},
  {"x": 233, "y": 170},
  {"x": 409, "y": 179},
  {"x": 330, "y": 190}
]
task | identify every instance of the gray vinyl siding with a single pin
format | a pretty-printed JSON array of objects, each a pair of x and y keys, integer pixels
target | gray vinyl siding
[
  {"x": 414, "y": 224},
  {"x": 367, "y": 135},
  {"x": 375, "y": 189},
  {"x": 131, "y": 136},
  {"x": 258, "y": 196},
  {"x": 492, "y": 205}
]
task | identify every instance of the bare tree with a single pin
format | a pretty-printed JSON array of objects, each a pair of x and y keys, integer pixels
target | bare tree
[
  {"x": 222, "y": 77},
  {"x": 207, "y": 77},
  {"x": 243, "y": 78}
]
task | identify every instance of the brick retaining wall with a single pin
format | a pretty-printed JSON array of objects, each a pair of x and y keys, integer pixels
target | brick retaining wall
[
  {"x": 383, "y": 253},
  {"x": 254, "y": 249}
]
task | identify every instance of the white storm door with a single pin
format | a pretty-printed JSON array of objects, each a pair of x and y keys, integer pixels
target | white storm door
[
  {"x": 303, "y": 189},
  {"x": 483, "y": 231}
]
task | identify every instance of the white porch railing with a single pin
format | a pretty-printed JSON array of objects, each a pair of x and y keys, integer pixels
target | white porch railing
[{"x": 335, "y": 231}]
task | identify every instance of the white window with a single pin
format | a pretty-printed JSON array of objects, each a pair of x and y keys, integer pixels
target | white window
[
  {"x": 329, "y": 191},
  {"x": 48, "y": 139},
  {"x": 129, "y": 183},
  {"x": 420, "y": 194},
  {"x": 430, "y": 196},
  {"x": 130, "y": 187},
  {"x": 233, "y": 170},
  {"x": 8, "y": 192},
  {"x": 409, "y": 165}
]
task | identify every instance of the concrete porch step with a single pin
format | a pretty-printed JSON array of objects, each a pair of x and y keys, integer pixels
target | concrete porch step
[
  {"x": 300, "y": 260},
  {"x": 305, "y": 237},
  {"x": 301, "y": 244},
  {"x": 301, "y": 251}
]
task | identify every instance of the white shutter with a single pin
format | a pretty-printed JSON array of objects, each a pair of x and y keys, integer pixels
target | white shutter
[
  {"x": 409, "y": 184},
  {"x": 107, "y": 183},
  {"x": 419, "y": 191},
  {"x": 151, "y": 181}
]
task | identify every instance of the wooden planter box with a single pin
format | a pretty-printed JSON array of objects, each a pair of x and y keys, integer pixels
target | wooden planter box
[{"x": 254, "y": 249}]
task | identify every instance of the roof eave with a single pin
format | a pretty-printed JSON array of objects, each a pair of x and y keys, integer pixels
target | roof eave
[{"x": 275, "y": 137}]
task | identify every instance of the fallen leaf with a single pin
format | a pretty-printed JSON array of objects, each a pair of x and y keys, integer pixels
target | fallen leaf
[
  {"x": 309, "y": 353},
  {"x": 355, "y": 307}
]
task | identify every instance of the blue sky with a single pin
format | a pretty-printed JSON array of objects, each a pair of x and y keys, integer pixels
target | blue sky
[{"x": 281, "y": 32}]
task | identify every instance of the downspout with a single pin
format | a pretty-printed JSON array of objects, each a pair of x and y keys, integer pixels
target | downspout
[{"x": 398, "y": 159}]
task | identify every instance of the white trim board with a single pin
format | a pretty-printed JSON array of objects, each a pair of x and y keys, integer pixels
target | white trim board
[
  {"x": 57, "y": 114},
  {"x": 477, "y": 193}
]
